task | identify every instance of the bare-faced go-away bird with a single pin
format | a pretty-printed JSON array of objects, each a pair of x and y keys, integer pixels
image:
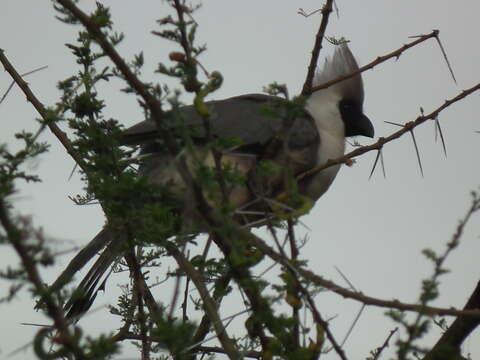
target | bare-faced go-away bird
[{"x": 317, "y": 133}]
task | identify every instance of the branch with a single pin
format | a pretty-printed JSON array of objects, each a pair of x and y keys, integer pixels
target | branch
[
  {"x": 209, "y": 305},
  {"x": 212, "y": 349},
  {"x": 107, "y": 47},
  {"x": 358, "y": 296},
  {"x": 378, "y": 351},
  {"x": 204, "y": 326},
  {"x": 326, "y": 10},
  {"x": 61, "y": 136},
  {"x": 409, "y": 126},
  {"x": 319, "y": 320},
  {"x": 378, "y": 60},
  {"x": 17, "y": 238},
  {"x": 448, "y": 346}
]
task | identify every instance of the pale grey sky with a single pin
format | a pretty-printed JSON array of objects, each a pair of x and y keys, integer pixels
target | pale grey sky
[{"x": 373, "y": 230}]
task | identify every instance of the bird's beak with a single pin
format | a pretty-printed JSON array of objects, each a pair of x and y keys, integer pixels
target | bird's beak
[
  {"x": 365, "y": 127},
  {"x": 358, "y": 124}
]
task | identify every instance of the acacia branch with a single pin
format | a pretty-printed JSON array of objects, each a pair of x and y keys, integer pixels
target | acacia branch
[
  {"x": 326, "y": 10},
  {"x": 377, "y": 61},
  {"x": 354, "y": 295},
  {"x": 449, "y": 344},
  {"x": 94, "y": 30},
  {"x": 208, "y": 303},
  {"x": 324, "y": 324},
  {"x": 17, "y": 237},
  {"x": 17, "y": 78},
  {"x": 409, "y": 126}
]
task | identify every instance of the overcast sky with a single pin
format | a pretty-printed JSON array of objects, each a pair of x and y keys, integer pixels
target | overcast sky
[{"x": 372, "y": 230}]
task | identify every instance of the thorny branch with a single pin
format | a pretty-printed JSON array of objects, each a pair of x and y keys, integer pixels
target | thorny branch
[
  {"x": 61, "y": 136},
  {"x": 377, "y": 61},
  {"x": 358, "y": 296},
  {"x": 408, "y": 127},
  {"x": 4, "y": 96},
  {"x": 450, "y": 342},
  {"x": 130, "y": 77},
  {"x": 209, "y": 304},
  {"x": 152, "y": 103},
  {"x": 156, "y": 110},
  {"x": 326, "y": 10},
  {"x": 317, "y": 317},
  {"x": 378, "y": 351},
  {"x": 17, "y": 238}
]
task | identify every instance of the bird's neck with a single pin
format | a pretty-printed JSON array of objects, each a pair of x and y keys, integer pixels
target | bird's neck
[{"x": 323, "y": 107}]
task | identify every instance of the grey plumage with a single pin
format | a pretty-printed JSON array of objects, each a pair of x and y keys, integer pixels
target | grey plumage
[{"x": 315, "y": 135}]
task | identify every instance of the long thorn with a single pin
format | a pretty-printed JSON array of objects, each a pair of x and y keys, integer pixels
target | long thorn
[
  {"x": 375, "y": 164},
  {"x": 382, "y": 163},
  {"x": 418, "y": 153},
  {"x": 437, "y": 126},
  {"x": 442, "y": 49}
]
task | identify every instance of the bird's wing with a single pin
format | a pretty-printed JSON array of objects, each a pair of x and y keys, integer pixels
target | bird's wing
[
  {"x": 254, "y": 119},
  {"x": 266, "y": 129}
]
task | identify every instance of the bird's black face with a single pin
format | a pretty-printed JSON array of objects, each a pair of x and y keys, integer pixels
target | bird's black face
[{"x": 356, "y": 123}]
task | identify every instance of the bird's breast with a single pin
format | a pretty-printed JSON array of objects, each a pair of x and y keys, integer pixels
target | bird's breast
[{"x": 331, "y": 147}]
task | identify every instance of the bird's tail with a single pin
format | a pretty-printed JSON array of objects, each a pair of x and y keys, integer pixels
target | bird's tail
[
  {"x": 83, "y": 296},
  {"x": 86, "y": 292}
]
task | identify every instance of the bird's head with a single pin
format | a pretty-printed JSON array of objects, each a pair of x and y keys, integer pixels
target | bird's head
[{"x": 343, "y": 99}]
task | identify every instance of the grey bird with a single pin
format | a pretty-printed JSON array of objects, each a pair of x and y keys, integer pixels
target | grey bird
[{"x": 316, "y": 135}]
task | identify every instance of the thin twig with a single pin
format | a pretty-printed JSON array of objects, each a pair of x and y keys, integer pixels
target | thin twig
[
  {"x": 209, "y": 304},
  {"x": 22, "y": 75},
  {"x": 384, "y": 140},
  {"x": 61, "y": 136},
  {"x": 357, "y": 317},
  {"x": 326, "y": 10},
  {"x": 378, "y": 351},
  {"x": 17, "y": 238},
  {"x": 358, "y": 296}
]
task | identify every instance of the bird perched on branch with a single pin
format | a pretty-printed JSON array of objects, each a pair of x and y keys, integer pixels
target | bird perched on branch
[{"x": 267, "y": 131}]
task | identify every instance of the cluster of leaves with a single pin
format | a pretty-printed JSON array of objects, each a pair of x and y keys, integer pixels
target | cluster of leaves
[
  {"x": 144, "y": 213},
  {"x": 417, "y": 328},
  {"x": 13, "y": 169}
]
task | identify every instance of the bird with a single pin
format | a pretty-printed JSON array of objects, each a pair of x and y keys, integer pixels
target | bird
[{"x": 316, "y": 134}]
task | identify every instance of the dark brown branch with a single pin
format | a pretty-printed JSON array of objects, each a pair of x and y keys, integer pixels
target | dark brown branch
[
  {"x": 208, "y": 303},
  {"x": 358, "y": 296},
  {"x": 203, "y": 349},
  {"x": 299, "y": 288},
  {"x": 326, "y": 10},
  {"x": 17, "y": 238},
  {"x": 61, "y": 136},
  {"x": 377, "y": 61},
  {"x": 204, "y": 327},
  {"x": 324, "y": 324},
  {"x": 378, "y": 351},
  {"x": 218, "y": 350},
  {"x": 140, "y": 282},
  {"x": 4, "y": 96},
  {"x": 384, "y": 140},
  {"x": 448, "y": 346},
  {"x": 107, "y": 47}
]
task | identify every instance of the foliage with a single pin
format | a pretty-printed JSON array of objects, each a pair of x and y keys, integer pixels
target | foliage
[{"x": 151, "y": 217}]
